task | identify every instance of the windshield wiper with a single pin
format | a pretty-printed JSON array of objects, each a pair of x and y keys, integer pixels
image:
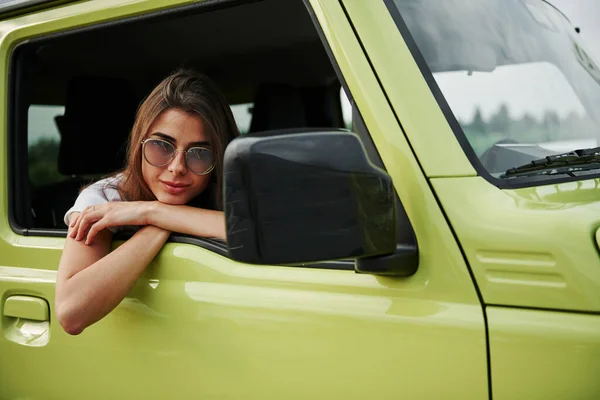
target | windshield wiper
[{"x": 566, "y": 163}]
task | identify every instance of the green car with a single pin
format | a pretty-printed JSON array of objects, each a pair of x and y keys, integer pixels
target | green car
[{"x": 413, "y": 207}]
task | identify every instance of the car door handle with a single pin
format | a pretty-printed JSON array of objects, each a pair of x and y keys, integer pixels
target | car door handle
[
  {"x": 26, "y": 320},
  {"x": 27, "y": 307}
]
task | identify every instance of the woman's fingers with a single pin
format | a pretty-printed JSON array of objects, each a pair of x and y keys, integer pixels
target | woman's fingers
[
  {"x": 76, "y": 226},
  {"x": 89, "y": 216},
  {"x": 84, "y": 226},
  {"x": 93, "y": 231},
  {"x": 74, "y": 219},
  {"x": 73, "y": 226}
]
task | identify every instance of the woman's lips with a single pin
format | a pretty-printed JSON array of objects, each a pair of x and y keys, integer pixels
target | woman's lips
[{"x": 174, "y": 188}]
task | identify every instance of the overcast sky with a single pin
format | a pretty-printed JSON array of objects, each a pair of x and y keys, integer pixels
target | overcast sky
[
  {"x": 586, "y": 15},
  {"x": 532, "y": 89}
]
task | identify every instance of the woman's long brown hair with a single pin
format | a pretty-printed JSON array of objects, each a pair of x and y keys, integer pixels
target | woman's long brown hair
[{"x": 193, "y": 93}]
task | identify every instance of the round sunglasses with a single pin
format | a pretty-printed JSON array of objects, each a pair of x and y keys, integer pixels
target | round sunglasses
[{"x": 159, "y": 152}]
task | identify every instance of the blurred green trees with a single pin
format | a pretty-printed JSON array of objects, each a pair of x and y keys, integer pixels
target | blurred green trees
[
  {"x": 43, "y": 165},
  {"x": 483, "y": 133}
]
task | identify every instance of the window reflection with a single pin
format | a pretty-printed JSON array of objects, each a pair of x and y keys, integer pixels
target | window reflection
[{"x": 513, "y": 72}]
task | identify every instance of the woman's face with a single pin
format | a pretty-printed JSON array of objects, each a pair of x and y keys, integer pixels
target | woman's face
[{"x": 174, "y": 183}]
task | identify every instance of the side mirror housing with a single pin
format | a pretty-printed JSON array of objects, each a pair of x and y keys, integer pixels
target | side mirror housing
[{"x": 294, "y": 198}]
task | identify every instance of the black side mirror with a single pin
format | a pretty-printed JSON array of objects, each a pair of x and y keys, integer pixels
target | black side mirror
[{"x": 304, "y": 197}]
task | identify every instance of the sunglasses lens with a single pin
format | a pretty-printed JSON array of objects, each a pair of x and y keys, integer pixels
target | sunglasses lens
[
  {"x": 200, "y": 160},
  {"x": 158, "y": 152}
]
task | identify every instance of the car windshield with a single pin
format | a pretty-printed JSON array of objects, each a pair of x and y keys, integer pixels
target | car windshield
[{"x": 515, "y": 74}]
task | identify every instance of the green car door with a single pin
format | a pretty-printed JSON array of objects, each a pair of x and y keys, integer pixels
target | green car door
[{"x": 198, "y": 324}]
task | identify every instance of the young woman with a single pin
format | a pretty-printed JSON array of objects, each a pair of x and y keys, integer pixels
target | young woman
[{"x": 171, "y": 183}]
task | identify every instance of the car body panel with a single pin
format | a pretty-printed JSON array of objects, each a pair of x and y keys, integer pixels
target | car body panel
[
  {"x": 530, "y": 247},
  {"x": 540, "y": 354},
  {"x": 200, "y": 324}
]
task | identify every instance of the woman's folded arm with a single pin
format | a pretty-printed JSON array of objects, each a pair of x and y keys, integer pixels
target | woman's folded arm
[{"x": 92, "y": 280}]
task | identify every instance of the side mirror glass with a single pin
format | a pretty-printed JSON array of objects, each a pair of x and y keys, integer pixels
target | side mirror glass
[{"x": 304, "y": 197}]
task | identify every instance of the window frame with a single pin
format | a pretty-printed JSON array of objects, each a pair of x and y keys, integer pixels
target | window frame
[{"x": 19, "y": 195}]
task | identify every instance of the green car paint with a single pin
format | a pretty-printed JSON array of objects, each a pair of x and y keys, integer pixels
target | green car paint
[
  {"x": 543, "y": 354},
  {"x": 199, "y": 325},
  {"x": 219, "y": 328},
  {"x": 531, "y": 248},
  {"x": 517, "y": 253},
  {"x": 26, "y": 307},
  {"x": 534, "y": 249}
]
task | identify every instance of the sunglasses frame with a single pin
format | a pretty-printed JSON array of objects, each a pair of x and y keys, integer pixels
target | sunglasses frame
[{"x": 208, "y": 171}]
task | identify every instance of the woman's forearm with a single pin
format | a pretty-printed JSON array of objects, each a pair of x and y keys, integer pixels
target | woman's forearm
[
  {"x": 93, "y": 292},
  {"x": 185, "y": 219}
]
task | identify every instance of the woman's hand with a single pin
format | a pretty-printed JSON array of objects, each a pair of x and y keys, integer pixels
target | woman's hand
[{"x": 94, "y": 219}]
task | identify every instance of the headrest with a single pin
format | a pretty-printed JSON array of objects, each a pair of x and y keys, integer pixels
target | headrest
[
  {"x": 277, "y": 106},
  {"x": 99, "y": 114}
]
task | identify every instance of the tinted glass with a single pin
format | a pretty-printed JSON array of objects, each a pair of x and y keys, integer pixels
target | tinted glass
[{"x": 514, "y": 73}]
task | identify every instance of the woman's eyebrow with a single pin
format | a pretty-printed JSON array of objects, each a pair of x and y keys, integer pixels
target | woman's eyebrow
[
  {"x": 163, "y": 136},
  {"x": 172, "y": 140}
]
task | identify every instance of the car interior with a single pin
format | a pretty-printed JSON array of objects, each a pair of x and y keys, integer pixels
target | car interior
[{"x": 264, "y": 54}]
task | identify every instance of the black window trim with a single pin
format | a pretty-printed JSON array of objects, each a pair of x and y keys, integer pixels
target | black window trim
[
  {"x": 511, "y": 183},
  {"x": 17, "y": 154},
  {"x": 19, "y": 196}
]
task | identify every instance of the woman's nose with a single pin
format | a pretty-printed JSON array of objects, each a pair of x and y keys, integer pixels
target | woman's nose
[{"x": 177, "y": 165}]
